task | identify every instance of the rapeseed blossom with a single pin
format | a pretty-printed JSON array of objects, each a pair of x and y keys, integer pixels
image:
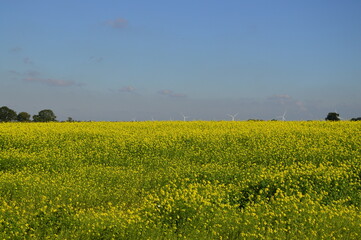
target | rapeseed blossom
[{"x": 186, "y": 180}]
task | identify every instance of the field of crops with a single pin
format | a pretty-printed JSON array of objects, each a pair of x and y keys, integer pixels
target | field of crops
[{"x": 180, "y": 180}]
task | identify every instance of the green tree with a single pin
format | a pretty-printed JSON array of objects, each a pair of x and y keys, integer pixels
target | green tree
[
  {"x": 7, "y": 114},
  {"x": 23, "y": 117},
  {"x": 333, "y": 116},
  {"x": 45, "y": 115}
]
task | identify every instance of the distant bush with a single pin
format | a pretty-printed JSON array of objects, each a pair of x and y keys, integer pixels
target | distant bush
[{"x": 333, "y": 116}]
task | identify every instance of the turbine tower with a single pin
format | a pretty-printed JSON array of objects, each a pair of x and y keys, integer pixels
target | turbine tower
[
  {"x": 283, "y": 117},
  {"x": 184, "y": 117}
]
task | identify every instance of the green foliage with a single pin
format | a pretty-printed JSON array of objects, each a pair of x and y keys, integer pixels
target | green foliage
[
  {"x": 70, "y": 119},
  {"x": 7, "y": 114},
  {"x": 23, "y": 117},
  {"x": 333, "y": 116},
  {"x": 46, "y": 115}
]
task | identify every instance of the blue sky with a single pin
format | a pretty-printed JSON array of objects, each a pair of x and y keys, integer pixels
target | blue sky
[{"x": 123, "y": 60}]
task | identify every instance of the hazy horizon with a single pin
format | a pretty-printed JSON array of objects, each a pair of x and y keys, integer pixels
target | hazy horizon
[{"x": 123, "y": 60}]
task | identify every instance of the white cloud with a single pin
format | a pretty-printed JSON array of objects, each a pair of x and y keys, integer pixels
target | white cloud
[
  {"x": 301, "y": 105},
  {"x": 280, "y": 98},
  {"x": 96, "y": 59},
  {"x": 32, "y": 73},
  {"x": 52, "y": 82},
  {"x": 15, "y": 49},
  {"x": 170, "y": 93},
  {"x": 14, "y": 72},
  {"x": 128, "y": 89},
  {"x": 287, "y": 103},
  {"x": 27, "y": 60}
]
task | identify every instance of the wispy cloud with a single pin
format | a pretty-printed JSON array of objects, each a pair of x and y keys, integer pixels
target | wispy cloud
[
  {"x": 117, "y": 23},
  {"x": 14, "y": 72},
  {"x": 52, "y": 82},
  {"x": 287, "y": 101},
  {"x": 96, "y": 59},
  {"x": 301, "y": 105},
  {"x": 170, "y": 93},
  {"x": 15, "y": 49},
  {"x": 32, "y": 73},
  {"x": 280, "y": 98},
  {"x": 27, "y": 60},
  {"x": 127, "y": 89}
]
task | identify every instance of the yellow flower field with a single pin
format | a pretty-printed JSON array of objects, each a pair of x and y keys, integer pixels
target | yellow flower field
[{"x": 180, "y": 180}]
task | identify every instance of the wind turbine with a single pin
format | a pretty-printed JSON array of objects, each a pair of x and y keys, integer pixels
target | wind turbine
[
  {"x": 184, "y": 117},
  {"x": 283, "y": 117},
  {"x": 232, "y": 116}
]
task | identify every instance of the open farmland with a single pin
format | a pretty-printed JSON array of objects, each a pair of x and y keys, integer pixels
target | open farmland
[{"x": 169, "y": 180}]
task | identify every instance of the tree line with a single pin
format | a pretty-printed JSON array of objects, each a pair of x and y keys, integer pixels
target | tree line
[
  {"x": 47, "y": 115},
  {"x": 9, "y": 115}
]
